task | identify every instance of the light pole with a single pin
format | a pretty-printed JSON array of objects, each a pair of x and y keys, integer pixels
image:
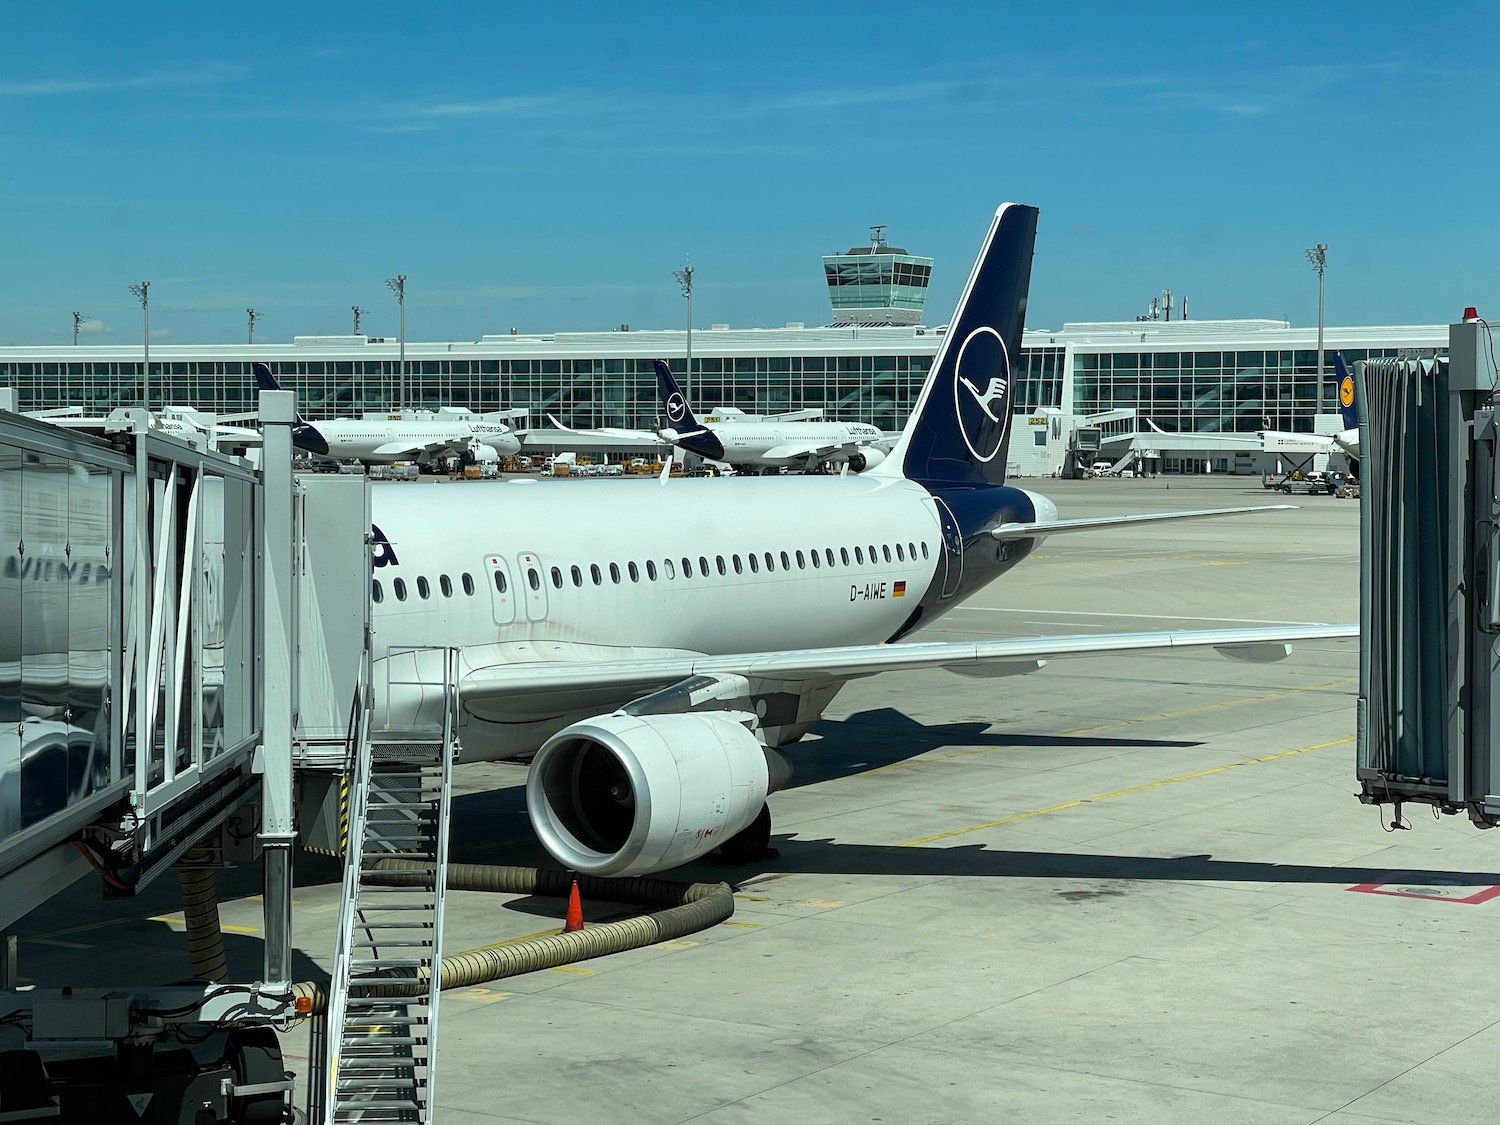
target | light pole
[
  {"x": 142, "y": 289},
  {"x": 358, "y": 312},
  {"x": 398, "y": 287},
  {"x": 1317, "y": 257},
  {"x": 251, "y": 316},
  {"x": 684, "y": 278},
  {"x": 77, "y": 320}
]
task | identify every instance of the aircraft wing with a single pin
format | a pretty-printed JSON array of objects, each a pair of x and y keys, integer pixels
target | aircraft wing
[
  {"x": 621, "y": 436},
  {"x": 803, "y": 452},
  {"x": 406, "y": 448},
  {"x": 1094, "y": 523},
  {"x": 506, "y": 690}
]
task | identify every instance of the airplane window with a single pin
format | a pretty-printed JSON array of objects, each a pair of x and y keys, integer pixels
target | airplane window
[
  {"x": 446, "y": 585},
  {"x": 376, "y": 593},
  {"x": 786, "y": 563},
  {"x": 595, "y": 575},
  {"x": 900, "y": 553},
  {"x": 924, "y": 549},
  {"x": 651, "y": 569},
  {"x": 468, "y": 581},
  {"x": 532, "y": 578},
  {"x": 423, "y": 588},
  {"x": 614, "y": 573},
  {"x": 577, "y": 576},
  {"x": 668, "y": 569},
  {"x": 843, "y": 554},
  {"x": 738, "y": 569},
  {"x": 687, "y": 568},
  {"x": 703, "y": 566},
  {"x": 400, "y": 587},
  {"x": 556, "y": 578},
  {"x": 635, "y": 574},
  {"x": 828, "y": 553},
  {"x": 722, "y": 568},
  {"x": 500, "y": 581},
  {"x": 875, "y": 555},
  {"x": 911, "y": 551},
  {"x": 815, "y": 561},
  {"x": 859, "y": 556},
  {"x": 770, "y": 562}
]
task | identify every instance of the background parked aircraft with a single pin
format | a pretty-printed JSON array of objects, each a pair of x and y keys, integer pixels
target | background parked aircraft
[{"x": 381, "y": 441}]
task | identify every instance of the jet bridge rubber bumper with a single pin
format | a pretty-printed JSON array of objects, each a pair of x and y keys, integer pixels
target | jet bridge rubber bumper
[{"x": 687, "y": 908}]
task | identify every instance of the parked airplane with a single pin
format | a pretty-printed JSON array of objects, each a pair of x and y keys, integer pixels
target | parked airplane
[
  {"x": 751, "y": 446},
  {"x": 653, "y": 643},
  {"x": 381, "y": 441},
  {"x": 178, "y": 421},
  {"x": 766, "y": 446},
  {"x": 1347, "y": 439}
]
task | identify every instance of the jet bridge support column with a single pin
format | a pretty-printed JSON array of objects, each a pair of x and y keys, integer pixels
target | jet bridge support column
[
  {"x": 277, "y": 830},
  {"x": 1429, "y": 703}
]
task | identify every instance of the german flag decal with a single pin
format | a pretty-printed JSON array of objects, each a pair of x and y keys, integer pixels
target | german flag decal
[{"x": 898, "y": 590}]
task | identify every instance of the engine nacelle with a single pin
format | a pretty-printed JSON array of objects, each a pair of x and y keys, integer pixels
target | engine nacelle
[
  {"x": 628, "y": 795},
  {"x": 480, "y": 454},
  {"x": 867, "y": 458}
]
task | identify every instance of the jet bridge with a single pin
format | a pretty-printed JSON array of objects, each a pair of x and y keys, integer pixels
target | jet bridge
[
  {"x": 1429, "y": 701},
  {"x": 172, "y": 648}
]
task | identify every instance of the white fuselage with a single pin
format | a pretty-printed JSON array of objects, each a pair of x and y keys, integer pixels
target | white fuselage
[
  {"x": 648, "y": 566},
  {"x": 383, "y": 441},
  {"x": 757, "y": 443}
]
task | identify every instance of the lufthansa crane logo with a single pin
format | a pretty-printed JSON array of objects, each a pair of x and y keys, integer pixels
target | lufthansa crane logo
[
  {"x": 676, "y": 407},
  {"x": 1346, "y": 391},
  {"x": 981, "y": 386}
]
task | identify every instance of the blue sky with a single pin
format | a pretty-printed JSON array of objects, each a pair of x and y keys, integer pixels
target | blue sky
[{"x": 548, "y": 166}]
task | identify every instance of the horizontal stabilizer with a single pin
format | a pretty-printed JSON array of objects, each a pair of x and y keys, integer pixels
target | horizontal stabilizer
[{"x": 1093, "y": 523}]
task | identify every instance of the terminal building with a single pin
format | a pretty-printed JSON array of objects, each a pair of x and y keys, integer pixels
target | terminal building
[{"x": 1204, "y": 377}]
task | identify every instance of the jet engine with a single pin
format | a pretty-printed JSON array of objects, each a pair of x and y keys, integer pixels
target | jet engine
[
  {"x": 480, "y": 454},
  {"x": 628, "y": 795},
  {"x": 867, "y": 458}
]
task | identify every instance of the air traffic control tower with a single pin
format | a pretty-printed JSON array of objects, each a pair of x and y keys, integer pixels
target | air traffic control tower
[{"x": 877, "y": 285}]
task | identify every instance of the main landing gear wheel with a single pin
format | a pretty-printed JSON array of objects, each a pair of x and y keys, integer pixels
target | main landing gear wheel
[{"x": 752, "y": 843}]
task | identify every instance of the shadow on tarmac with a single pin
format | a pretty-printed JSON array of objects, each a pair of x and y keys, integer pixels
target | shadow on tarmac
[{"x": 826, "y": 856}]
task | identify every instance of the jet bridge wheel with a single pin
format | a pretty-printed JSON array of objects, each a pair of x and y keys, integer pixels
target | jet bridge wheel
[
  {"x": 750, "y": 844},
  {"x": 254, "y": 1054}
]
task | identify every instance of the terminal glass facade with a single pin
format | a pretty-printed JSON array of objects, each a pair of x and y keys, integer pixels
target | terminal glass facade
[{"x": 1212, "y": 391}]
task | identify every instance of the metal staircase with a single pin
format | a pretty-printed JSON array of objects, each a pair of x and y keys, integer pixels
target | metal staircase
[{"x": 384, "y": 1047}]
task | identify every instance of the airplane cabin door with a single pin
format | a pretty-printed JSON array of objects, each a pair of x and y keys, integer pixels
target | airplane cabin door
[
  {"x": 953, "y": 549},
  {"x": 503, "y": 592},
  {"x": 533, "y": 585}
]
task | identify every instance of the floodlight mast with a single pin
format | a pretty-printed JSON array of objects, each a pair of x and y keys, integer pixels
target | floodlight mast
[
  {"x": 1317, "y": 257},
  {"x": 251, "y": 316},
  {"x": 684, "y": 278},
  {"x": 398, "y": 286},
  {"x": 77, "y": 320},
  {"x": 358, "y": 312},
  {"x": 142, "y": 289}
]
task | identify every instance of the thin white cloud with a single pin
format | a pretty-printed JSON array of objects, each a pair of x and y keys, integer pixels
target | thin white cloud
[
  {"x": 152, "y": 79},
  {"x": 91, "y": 327}
]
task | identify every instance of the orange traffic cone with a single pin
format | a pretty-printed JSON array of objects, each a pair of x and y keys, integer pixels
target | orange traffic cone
[{"x": 574, "y": 919}]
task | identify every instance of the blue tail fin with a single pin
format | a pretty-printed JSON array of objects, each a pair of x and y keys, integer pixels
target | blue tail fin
[
  {"x": 1347, "y": 406},
  {"x": 304, "y": 434},
  {"x": 960, "y": 428},
  {"x": 684, "y": 430}
]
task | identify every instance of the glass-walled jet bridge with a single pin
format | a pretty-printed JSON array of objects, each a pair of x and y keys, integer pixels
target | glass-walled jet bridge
[{"x": 148, "y": 686}]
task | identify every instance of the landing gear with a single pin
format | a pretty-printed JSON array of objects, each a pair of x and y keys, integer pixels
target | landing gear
[{"x": 750, "y": 844}]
